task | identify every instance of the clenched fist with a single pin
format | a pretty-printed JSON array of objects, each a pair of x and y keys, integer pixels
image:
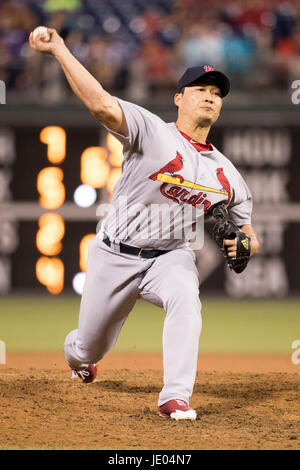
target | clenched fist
[{"x": 51, "y": 47}]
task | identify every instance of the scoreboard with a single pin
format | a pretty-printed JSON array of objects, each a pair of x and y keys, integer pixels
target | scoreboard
[
  {"x": 55, "y": 170},
  {"x": 50, "y": 175}
]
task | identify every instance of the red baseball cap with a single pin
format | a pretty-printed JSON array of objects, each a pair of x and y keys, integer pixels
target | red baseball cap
[{"x": 193, "y": 74}]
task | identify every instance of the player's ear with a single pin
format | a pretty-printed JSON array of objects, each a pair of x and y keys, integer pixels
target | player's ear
[{"x": 177, "y": 99}]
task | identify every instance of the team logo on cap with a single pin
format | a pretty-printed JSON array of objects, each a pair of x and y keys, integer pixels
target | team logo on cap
[{"x": 208, "y": 68}]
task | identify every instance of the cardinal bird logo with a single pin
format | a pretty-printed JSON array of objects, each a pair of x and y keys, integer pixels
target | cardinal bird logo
[
  {"x": 224, "y": 182},
  {"x": 172, "y": 167}
]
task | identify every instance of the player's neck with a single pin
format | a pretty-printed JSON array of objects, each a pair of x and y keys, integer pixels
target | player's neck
[{"x": 199, "y": 134}]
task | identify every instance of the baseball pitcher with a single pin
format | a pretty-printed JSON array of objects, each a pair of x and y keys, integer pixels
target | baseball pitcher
[{"x": 136, "y": 254}]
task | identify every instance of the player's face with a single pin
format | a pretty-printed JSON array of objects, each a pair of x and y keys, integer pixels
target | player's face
[{"x": 201, "y": 104}]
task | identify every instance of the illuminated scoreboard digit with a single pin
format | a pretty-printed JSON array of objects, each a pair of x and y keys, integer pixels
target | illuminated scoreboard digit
[
  {"x": 99, "y": 168},
  {"x": 50, "y": 270}
]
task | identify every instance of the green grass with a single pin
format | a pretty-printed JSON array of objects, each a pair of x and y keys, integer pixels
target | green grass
[{"x": 42, "y": 322}]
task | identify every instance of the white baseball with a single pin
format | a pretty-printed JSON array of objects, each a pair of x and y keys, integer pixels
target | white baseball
[{"x": 43, "y": 31}]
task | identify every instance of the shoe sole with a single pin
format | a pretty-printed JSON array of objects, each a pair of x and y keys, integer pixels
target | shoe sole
[{"x": 180, "y": 415}]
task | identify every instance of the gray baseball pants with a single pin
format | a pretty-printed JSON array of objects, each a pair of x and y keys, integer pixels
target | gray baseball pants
[{"x": 114, "y": 281}]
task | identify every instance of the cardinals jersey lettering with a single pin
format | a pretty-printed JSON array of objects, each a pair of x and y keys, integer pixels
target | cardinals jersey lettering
[{"x": 162, "y": 167}]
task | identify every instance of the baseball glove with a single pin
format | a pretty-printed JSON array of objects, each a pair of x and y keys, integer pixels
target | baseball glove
[{"x": 225, "y": 229}]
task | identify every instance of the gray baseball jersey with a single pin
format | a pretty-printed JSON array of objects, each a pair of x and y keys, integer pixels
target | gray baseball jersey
[
  {"x": 161, "y": 167},
  {"x": 153, "y": 152}
]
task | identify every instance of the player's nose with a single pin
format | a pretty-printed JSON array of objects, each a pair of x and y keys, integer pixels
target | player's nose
[{"x": 209, "y": 98}]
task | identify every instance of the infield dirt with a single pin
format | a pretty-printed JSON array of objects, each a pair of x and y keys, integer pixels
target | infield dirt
[{"x": 243, "y": 402}]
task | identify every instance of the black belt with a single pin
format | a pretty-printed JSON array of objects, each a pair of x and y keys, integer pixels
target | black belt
[{"x": 133, "y": 250}]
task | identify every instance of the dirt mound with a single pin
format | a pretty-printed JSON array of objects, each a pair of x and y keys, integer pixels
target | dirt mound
[{"x": 42, "y": 408}]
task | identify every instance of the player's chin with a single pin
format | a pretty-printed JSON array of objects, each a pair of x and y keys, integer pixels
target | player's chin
[{"x": 207, "y": 119}]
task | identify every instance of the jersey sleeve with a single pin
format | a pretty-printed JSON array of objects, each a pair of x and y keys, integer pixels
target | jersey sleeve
[
  {"x": 240, "y": 209},
  {"x": 140, "y": 123}
]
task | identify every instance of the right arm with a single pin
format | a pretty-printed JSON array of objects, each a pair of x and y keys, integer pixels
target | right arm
[{"x": 99, "y": 102}]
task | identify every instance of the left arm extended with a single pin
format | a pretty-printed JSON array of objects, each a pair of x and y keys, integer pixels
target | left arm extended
[{"x": 254, "y": 245}]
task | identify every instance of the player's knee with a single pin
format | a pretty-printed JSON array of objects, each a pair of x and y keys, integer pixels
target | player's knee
[
  {"x": 185, "y": 302},
  {"x": 187, "y": 314},
  {"x": 82, "y": 352}
]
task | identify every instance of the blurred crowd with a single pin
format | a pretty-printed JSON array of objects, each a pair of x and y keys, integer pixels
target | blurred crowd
[{"x": 137, "y": 49}]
